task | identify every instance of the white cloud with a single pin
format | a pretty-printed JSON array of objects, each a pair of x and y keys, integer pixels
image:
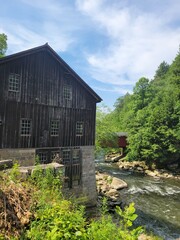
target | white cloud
[
  {"x": 134, "y": 36},
  {"x": 138, "y": 41},
  {"x": 23, "y": 38},
  {"x": 114, "y": 89},
  {"x": 47, "y": 21}
]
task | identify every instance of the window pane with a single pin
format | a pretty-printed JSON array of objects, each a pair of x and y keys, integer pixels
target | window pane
[
  {"x": 54, "y": 127},
  {"x": 26, "y": 125},
  {"x": 76, "y": 155},
  {"x": 67, "y": 92},
  {"x": 43, "y": 157},
  {"x": 79, "y": 128},
  {"x": 66, "y": 156},
  {"x": 14, "y": 82}
]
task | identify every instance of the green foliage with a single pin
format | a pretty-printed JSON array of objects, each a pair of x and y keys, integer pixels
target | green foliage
[
  {"x": 46, "y": 178},
  {"x": 161, "y": 71},
  {"x": 14, "y": 173},
  {"x": 59, "y": 220},
  {"x": 3, "y": 44},
  {"x": 150, "y": 116},
  {"x": 54, "y": 217},
  {"x": 128, "y": 215},
  {"x": 105, "y": 228},
  {"x": 105, "y": 136}
]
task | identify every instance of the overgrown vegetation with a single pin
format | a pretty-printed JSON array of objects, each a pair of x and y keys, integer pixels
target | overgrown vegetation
[
  {"x": 35, "y": 208},
  {"x": 150, "y": 116}
]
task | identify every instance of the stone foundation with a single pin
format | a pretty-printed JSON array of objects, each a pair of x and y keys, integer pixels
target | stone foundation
[
  {"x": 87, "y": 188},
  {"x": 25, "y": 157},
  {"x": 88, "y": 174}
]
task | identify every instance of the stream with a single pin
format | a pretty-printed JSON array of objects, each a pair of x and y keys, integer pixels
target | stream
[{"x": 157, "y": 201}]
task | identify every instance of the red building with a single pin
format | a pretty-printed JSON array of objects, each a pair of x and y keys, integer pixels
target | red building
[{"x": 122, "y": 139}]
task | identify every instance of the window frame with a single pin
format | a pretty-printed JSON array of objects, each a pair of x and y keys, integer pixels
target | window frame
[
  {"x": 79, "y": 128},
  {"x": 55, "y": 130},
  {"x": 43, "y": 157},
  {"x": 14, "y": 81},
  {"x": 66, "y": 156},
  {"x": 23, "y": 129},
  {"x": 67, "y": 92}
]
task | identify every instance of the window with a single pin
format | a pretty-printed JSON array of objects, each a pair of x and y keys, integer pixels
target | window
[
  {"x": 55, "y": 156},
  {"x": 79, "y": 128},
  {"x": 14, "y": 82},
  {"x": 54, "y": 128},
  {"x": 76, "y": 155},
  {"x": 66, "y": 155},
  {"x": 43, "y": 157},
  {"x": 26, "y": 126},
  {"x": 67, "y": 92}
]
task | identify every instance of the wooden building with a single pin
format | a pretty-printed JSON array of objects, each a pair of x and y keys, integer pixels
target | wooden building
[
  {"x": 46, "y": 110},
  {"x": 122, "y": 139}
]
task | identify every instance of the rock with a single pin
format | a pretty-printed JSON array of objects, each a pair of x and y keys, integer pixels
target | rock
[
  {"x": 140, "y": 166},
  {"x": 104, "y": 188},
  {"x": 108, "y": 186},
  {"x": 99, "y": 177},
  {"x": 101, "y": 182},
  {"x": 115, "y": 159},
  {"x": 140, "y": 169},
  {"x": 112, "y": 192},
  {"x": 150, "y": 173},
  {"x": 118, "y": 184},
  {"x": 4, "y": 164},
  {"x": 144, "y": 237}
]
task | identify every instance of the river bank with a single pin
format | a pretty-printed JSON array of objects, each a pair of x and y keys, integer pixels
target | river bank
[
  {"x": 156, "y": 199},
  {"x": 142, "y": 167},
  {"x": 109, "y": 187}
]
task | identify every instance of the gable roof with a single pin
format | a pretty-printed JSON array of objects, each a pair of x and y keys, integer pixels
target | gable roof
[
  {"x": 47, "y": 48},
  {"x": 122, "y": 134}
]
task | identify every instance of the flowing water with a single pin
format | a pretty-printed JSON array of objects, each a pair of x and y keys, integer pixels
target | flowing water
[{"x": 157, "y": 201}]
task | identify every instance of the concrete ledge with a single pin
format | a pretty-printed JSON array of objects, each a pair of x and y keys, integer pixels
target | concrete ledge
[
  {"x": 30, "y": 169},
  {"x": 4, "y": 164}
]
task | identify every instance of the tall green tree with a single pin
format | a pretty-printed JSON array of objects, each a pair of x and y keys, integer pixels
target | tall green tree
[
  {"x": 141, "y": 92},
  {"x": 3, "y": 44},
  {"x": 161, "y": 71},
  {"x": 151, "y": 116}
]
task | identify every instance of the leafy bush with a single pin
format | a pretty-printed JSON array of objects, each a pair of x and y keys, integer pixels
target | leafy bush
[
  {"x": 105, "y": 228},
  {"x": 58, "y": 218},
  {"x": 58, "y": 221}
]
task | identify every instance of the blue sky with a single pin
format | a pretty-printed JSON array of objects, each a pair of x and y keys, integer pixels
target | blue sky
[{"x": 109, "y": 43}]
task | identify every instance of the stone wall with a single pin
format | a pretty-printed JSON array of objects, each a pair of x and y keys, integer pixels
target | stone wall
[
  {"x": 88, "y": 174},
  {"x": 87, "y": 188},
  {"x": 25, "y": 157}
]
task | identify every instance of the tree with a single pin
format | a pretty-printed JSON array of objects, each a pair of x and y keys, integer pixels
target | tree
[
  {"x": 161, "y": 71},
  {"x": 3, "y": 44},
  {"x": 141, "y": 92},
  {"x": 150, "y": 116}
]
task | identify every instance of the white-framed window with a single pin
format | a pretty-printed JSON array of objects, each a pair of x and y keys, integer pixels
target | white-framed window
[
  {"x": 67, "y": 92},
  {"x": 79, "y": 128},
  {"x": 14, "y": 82},
  {"x": 26, "y": 127},
  {"x": 54, "y": 128}
]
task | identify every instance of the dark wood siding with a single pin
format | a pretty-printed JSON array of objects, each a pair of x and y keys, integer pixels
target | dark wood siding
[{"x": 41, "y": 100}]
